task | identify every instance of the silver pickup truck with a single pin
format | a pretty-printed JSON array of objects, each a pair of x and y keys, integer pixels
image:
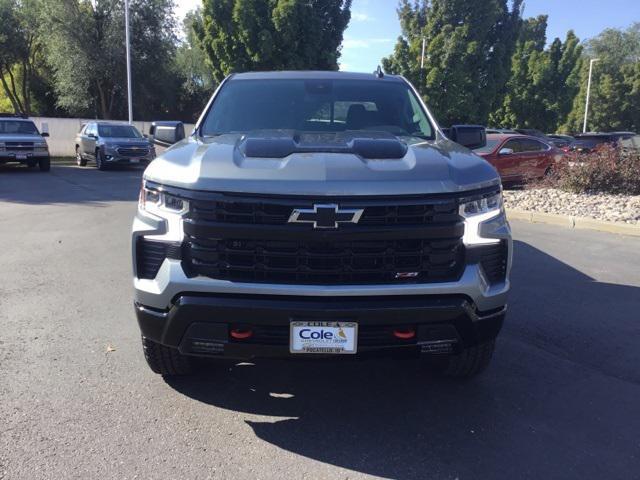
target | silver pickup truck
[
  {"x": 321, "y": 214},
  {"x": 21, "y": 142}
]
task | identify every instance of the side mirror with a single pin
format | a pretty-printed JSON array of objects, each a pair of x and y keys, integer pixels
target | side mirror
[
  {"x": 470, "y": 136},
  {"x": 44, "y": 134},
  {"x": 505, "y": 151},
  {"x": 166, "y": 133},
  {"x": 44, "y": 129}
]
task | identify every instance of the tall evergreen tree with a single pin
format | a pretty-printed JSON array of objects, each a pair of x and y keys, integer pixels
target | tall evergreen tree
[
  {"x": 614, "y": 103},
  {"x": 240, "y": 35},
  {"x": 469, "y": 44}
]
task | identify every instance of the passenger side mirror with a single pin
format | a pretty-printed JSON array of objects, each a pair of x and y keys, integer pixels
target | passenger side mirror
[
  {"x": 470, "y": 136},
  {"x": 44, "y": 129},
  {"x": 505, "y": 151},
  {"x": 44, "y": 134},
  {"x": 166, "y": 133}
]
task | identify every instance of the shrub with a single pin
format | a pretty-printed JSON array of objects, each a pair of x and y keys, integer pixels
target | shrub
[{"x": 609, "y": 169}]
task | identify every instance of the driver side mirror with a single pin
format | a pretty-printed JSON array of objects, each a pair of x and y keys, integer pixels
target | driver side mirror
[
  {"x": 505, "y": 151},
  {"x": 470, "y": 136},
  {"x": 166, "y": 133}
]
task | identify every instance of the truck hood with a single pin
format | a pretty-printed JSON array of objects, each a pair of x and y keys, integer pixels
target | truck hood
[
  {"x": 21, "y": 138},
  {"x": 220, "y": 164}
]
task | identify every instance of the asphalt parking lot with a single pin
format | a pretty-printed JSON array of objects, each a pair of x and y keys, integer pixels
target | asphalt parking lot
[{"x": 561, "y": 399}]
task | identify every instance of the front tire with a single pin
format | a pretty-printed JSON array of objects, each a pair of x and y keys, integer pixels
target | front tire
[
  {"x": 44, "y": 164},
  {"x": 100, "y": 163},
  {"x": 165, "y": 361},
  {"x": 80, "y": 161},
  {"x": 470, "y": 362}
]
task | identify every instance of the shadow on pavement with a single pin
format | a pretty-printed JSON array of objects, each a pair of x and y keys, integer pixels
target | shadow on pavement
[
  {"x": 68, "y": 183},
  {"x": 542, "y": 410}
]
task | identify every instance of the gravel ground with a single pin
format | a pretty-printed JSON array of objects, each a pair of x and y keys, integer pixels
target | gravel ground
[{"x": 612, "y": 208}]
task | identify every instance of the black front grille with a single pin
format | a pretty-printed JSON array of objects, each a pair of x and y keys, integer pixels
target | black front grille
[
  {"x": 249, "y": 239},
  {"x": 133, "y": 151},
  {"x": 274, "y": 212},
  {"x": 19, "y": 146}
]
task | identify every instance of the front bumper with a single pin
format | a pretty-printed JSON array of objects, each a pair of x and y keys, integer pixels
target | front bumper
[
  {"x": 200, "y": 324},
  {"x": 12, "y": 157}
]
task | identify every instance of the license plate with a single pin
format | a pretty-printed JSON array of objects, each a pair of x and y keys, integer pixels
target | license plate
[
  {"x": 323, "y": 337},
  {"x": 21, "y": 156},
  {"x": 135, "y": 160}
]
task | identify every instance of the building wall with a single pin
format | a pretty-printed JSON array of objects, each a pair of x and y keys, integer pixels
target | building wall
[{"x": 62, "y": 132}]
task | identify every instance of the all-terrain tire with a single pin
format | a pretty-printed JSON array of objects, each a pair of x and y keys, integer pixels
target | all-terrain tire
[
  {"x": 165, "y": 360},
  {"x": 470, "y": 362},
  {"x": 44, "y": 164}
]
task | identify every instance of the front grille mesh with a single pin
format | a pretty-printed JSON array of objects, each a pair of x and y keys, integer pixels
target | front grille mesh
[
  {"x": 226, "y": 239},
  {"x": 132, "y": 152}
]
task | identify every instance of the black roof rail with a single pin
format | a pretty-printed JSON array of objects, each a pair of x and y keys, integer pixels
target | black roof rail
[{"x": 13, "y": 115}]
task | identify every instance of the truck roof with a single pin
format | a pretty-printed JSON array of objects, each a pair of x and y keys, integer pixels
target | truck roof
[{"x": 315, "y": 75}]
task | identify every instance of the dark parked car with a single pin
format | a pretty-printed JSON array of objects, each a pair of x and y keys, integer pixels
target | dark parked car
[
  {"x": 519, "y": 157},
  {"x": 500, "y": 130},
  {"x": 588, "y": 142},
  {"x": 112, "y": 143},
  {"x": 21, "y": 142},
  {"x": 563, "y": 142}
]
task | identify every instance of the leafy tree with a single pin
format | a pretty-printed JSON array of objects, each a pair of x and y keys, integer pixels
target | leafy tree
[
  {"x": 20, "y": 52},
  {"x": 86, "y": 51},
  {"x": 469, "y": 44},
  {"x": 543, "y": 82},
  {"x": 240, "y": 35},
  {"x": 614, "y": 102},
  {"x": 196, "y": 77}
]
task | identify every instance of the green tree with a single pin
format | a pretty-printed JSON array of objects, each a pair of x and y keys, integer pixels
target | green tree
[
  {"x": 240, "y": 35},
  {"x": 20, "y": 52},
  {"x": 542, "y": 83},
  {"x": 196, "y": 77},
  {"x": 86, "y": 51},
  {"x": 469, "y": 44},
  {"x": 614, "y": 102}
]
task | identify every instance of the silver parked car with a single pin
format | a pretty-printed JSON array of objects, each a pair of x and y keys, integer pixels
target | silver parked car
[
  {"x": 21, "y": 142},
  {"x": 109, "y": 143}
]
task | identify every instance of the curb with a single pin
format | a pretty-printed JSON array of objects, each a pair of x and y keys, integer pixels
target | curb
[{"x": 575, "y": 222}]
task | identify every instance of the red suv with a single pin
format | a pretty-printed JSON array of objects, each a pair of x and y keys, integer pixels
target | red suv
[{"x": 519, "y": 157}]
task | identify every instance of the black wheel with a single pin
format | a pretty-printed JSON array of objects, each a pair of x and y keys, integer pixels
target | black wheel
[
  {"x": 470, "y": 362},
  {"x": 81, "y": 162},
  {"x": 100, "y": 163},
  {"x": 44, "y": 164},
  {"x": 164, "y": 360}
]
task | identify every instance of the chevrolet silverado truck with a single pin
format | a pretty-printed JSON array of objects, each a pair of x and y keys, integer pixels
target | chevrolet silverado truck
[
  {"x": 321, "y": 214},
  {"x": 21, "y": 142}
]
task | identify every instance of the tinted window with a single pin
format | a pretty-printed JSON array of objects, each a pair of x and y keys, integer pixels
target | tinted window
[
  {"x": 118, "y": 131},
  {"x": 316, "y": 106},
  {"x": 533, "y": 146},
  {"x": 491, "y": 144},
  {"x": 17, "y": 127},
  {"x": 515, "y": 144}
]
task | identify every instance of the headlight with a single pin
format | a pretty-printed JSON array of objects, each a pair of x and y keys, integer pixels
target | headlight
[
  {"x": 479, "y": 210},
  {"x": 161, "y": 203}
]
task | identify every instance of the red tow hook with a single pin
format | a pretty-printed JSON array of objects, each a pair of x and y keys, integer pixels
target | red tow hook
[
  {"x": 404, "y": 334},
  {"x": 241, "y": 333}
]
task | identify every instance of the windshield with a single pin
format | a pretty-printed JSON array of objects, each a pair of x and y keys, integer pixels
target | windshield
[
  {"x": 17, "y": 127},
  {"x": 491, "y": 144},
  {"x": 317, "y": 106},
  {"x": 118, "y": 131}
]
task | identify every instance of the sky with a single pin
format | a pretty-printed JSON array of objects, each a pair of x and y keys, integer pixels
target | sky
[{"x": 374, "y": 25}]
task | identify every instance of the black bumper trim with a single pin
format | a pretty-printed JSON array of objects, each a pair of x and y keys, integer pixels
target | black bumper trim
[{"x": 206, "y": 319}]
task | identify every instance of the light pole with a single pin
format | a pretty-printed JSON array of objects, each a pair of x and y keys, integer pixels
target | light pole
[
  {"x": 126, "y": 30},
  {"x": 586, "y": 107}
]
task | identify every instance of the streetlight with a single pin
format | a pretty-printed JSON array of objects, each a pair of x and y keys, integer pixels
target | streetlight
[
  {"x": 586, "y": 107},
  {"x": 126, "y": 30}
]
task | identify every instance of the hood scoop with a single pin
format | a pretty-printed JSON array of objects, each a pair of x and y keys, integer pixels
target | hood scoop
[{"x": 280, "y": 144}]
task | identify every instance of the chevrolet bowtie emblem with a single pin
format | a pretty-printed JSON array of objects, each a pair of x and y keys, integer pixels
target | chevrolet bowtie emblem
[{"x": 325, "y": 216}]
